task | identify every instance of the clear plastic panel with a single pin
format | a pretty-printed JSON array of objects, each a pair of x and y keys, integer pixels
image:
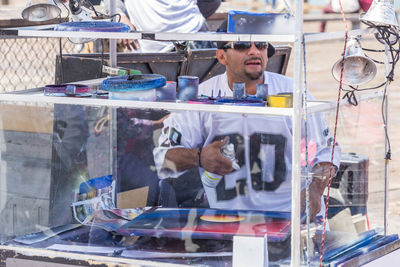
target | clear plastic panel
[
  {"x": 57, "y": 192},
  {"x": 356, "y": 195}
]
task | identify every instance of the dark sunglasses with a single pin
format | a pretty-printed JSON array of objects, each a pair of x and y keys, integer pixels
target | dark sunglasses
[{"x": 245, "y": 45}]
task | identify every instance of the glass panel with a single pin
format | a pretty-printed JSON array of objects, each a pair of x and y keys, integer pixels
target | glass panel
[
  {"x": 356, "y": 207},
  {"x": 92, "y": 179}
]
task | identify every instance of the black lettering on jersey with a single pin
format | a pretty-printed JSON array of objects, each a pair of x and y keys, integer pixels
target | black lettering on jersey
[
  {"x": 227, "y": 194},
  {"x": 256, "y": 140},
  {"x": 279, "y": 143}
]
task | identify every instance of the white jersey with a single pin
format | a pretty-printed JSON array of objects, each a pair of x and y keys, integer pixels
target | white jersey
[
  {"x": 263, "y": 148},
  {"x": 163, "y": 16},
  {"x": 277, "y": 83}
]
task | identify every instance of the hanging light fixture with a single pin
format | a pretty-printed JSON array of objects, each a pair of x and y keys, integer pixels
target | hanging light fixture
[
  {"x": 381, "y": 13},
  {"x": 357, "y": 68},
  {"x": 40, "y": 10}
]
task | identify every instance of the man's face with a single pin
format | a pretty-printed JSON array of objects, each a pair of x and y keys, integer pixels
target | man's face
[{"x": 244, "y": 64}]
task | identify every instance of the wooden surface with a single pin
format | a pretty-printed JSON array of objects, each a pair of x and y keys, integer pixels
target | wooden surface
[{"x": 26, "y": 119}]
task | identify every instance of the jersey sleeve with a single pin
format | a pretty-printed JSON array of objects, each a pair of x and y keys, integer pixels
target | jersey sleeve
[{"x": 181, "y": 130}]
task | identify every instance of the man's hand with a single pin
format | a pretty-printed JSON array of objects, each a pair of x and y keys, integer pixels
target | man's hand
[
  {"x": 319, "y": 182},
  {"x": 127, "y": 43},
  {"x": 159, "y": 123},
  {"x": 212, "y": 159}
]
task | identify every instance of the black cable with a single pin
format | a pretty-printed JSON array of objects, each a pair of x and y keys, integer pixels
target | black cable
[
  {"x": 351, "y": 97},
  {"x": 61, "y": 58},
  {"x": 385, "y": 32},
  {"x": 368, "y": 88},
  {"x": 99, "y": 14},
  {"x": 373, "y": 50},
  {"x": 90, "y": 6},
  {"x": 376, "y": 61},
  {"x": 116, "y": 15},
  {"x": 69, "y": 13}
]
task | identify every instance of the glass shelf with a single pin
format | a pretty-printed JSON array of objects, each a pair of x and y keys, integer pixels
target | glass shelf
[
  {"x": 41, "y": 31},
  {"x": 36, "y": 96}
]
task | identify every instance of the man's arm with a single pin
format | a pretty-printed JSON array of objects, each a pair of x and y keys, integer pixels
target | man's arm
[
  {"x": 321, "y": 173},
  {"x": 121, "y": 10},
  {"x": 211, "y": 158}
]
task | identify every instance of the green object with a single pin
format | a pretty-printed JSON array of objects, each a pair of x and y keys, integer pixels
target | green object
[{"x": 119, "y": 71}]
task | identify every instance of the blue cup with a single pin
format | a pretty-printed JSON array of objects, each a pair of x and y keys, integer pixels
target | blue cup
[
  {"x": 188, "y": 87},
  {"x": 238, "y": 90},
  {"x": 262, "y": 91}
]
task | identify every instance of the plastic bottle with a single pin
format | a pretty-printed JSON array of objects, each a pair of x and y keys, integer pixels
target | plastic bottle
[{"x": 211, "y": 179}]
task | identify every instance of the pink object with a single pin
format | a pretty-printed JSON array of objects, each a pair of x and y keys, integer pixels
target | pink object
[
  {"x": 312, "y": 151},
  {"x": 365, "y": 4}
]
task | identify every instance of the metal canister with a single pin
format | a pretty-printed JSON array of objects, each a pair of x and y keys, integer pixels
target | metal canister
[{"x": 280, "y": 101}]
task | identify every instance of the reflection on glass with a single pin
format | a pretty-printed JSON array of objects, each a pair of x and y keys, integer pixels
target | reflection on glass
[{"x": 167, "y": 212}]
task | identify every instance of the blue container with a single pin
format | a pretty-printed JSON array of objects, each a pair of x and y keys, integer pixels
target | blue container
[
  {"x": 133, "y": 87},
  {"x": 188, "y": 87},
  {"x": 260, "y": 23},
  {"x": 238, "y": 90}
]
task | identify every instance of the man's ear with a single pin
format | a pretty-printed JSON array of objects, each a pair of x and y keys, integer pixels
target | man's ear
[{"x": 221, "y": 56}]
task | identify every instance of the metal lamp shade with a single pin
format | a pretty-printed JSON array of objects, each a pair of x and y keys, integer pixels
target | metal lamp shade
[
  {"x": 381, "y": 13},
  {"x": 40, "y": 10},
  {"x": 357, "y": 69}
]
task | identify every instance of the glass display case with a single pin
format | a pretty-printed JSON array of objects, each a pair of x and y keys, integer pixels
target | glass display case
[{"x": 87, "y": 180}]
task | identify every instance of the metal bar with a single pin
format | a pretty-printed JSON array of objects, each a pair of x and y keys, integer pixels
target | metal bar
[
  {"x": 386, "y": 196},
  {"x": 316, "y": 37},
  {"x": 82, "y": 34},
  {"x": 372, "y": 255},
  {"x": 113, "y": 42},
  {"x": 39, "y": 98},
  {"x": 154, "y": 36},
  {"x": 52, "y": 256},
  {"x": 296, "y": 138},
  {"x": 320, "y": 106},
  {"x": 224, "y": 37}
]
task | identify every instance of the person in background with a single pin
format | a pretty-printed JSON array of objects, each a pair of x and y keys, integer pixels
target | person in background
[
  {"x": 183, "y": 16},
  {"x": 349, "y": 6},
  {"x": 261, "y": 179}
]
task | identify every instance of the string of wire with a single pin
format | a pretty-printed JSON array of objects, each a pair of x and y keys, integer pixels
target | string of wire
[{"x": 334, "y": 137}]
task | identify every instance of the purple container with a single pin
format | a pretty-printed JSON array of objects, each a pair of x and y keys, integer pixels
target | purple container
[{"x": 167, "y": 92}]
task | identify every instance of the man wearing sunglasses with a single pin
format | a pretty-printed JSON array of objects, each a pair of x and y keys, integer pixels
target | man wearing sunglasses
[
  {"x": 262, "y": 144},
  {"x": 244, "y": 62}
]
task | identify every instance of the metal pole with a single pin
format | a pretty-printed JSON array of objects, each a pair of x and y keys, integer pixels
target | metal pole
[
  {"x": 112, "y": 111},
  {"x": 113, "y": 42},
  {"x": 386, "y": 107},
  {"x": 296, "y": 138}
]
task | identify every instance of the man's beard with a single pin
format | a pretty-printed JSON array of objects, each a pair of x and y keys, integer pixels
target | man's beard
[{"x": 254, "y": 75}]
